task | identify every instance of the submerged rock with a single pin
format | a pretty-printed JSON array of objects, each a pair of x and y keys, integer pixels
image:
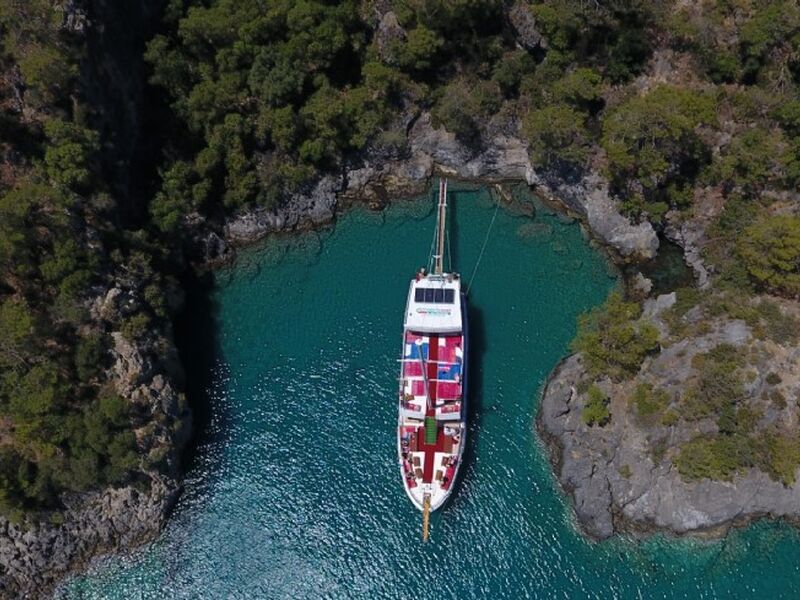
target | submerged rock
[{"x": 534, "y": 231}]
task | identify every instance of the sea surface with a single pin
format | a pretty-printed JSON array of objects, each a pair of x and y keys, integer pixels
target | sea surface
[{"x": 294, "y": 491}]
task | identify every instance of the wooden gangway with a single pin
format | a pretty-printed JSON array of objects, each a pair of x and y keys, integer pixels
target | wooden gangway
[{"x": 440, "y": 227}]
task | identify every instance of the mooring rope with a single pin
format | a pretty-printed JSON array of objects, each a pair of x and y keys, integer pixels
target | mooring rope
[{"x": 483, "y": 248}]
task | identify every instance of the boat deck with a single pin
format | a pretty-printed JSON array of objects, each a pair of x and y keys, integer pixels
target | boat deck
[
  {"x": 432, "y": 364},
  {"x": 432, "y": 368}
]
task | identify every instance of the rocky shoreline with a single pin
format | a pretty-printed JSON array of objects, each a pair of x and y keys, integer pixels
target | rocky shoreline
[
  {"x": 376, "y": 177},
  {"x": 622, "y": 477},
  {"x": 35, "y": 555},
  {"x": 148, "y": 373}
]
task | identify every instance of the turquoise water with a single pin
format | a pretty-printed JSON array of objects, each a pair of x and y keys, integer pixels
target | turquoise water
[{"x": 294, "y": 490}]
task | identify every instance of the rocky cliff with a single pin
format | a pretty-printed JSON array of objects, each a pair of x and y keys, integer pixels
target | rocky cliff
[
  {"x": 628, "y": 475},
  {"x": 35, "y": 554},
  {"x": 376, "y": 176}
]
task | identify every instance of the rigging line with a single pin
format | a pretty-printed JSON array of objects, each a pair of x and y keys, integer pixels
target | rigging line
[
  {"x": 430, "y": 254},
  {"x": 483, "y": 248},
  {"x": 449, "y": 254}
]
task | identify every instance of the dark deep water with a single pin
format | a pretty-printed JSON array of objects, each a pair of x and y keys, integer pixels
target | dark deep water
[{"x": 293, "y": 491}]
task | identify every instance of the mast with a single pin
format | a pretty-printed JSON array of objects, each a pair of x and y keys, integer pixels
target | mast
[{"x": 440, "y": 227}]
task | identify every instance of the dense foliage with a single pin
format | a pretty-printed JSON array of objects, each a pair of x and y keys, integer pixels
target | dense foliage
[
  {"x": 62, "y": 426},
  {"x": 612, "y": 340},
  {"x": 675, "y": 102},
  {"x": 275, "y": 95}
]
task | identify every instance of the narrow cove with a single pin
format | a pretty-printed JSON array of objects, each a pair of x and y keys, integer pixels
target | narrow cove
[{"x": 293, "y": 490}]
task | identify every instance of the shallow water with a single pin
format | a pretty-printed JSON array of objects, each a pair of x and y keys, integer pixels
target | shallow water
[{"x": 294, "y": 490}]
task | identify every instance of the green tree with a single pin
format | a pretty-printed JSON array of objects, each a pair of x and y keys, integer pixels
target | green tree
[
  {"x": 652, "y": 137},
  {"x": 69, "y": 152},
  {"x": 89, "y": 354},
  {"x": 770, "y": 250},
  {"x": 39, "y": 391},
  {"x": 16, "y": 333},
  {"x": 612, "y": 339},
  {"x": 418, "y": 52},
  {"x": 753, "y": 159},
  {"x": 557, "y": 133}
]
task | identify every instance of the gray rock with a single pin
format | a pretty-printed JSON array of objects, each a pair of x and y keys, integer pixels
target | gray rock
[
  {"x": 301, "y": 210},
  {"x": 655, "y": 306},
  {"x": 524, "y": 25},
  {"x": 75, "y": 19},
  {"x": 35, "y": 555},
  {"x": 388, "y": 33},
  {"x": 131, "y": 366},
  {"x": 590, "y": 199},
  {"x": 641, "y": 285},
  {"x": 501, "y": 157},
  {"x": 610, "y": 471},
  {"x": 689, "y": 235}
]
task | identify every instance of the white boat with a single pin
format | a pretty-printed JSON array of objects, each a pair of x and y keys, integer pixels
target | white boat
[{"x": 432, "y": 408}]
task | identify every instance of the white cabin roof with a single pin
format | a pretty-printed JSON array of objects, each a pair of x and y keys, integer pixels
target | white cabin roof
[{"x": 434, "y": 304}]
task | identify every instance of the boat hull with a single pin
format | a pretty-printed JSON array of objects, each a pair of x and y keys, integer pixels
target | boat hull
[{"x": 420, "y": 458}]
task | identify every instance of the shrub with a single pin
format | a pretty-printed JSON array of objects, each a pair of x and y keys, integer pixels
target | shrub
[
  {"x": 778, "y": 455},
  {"x": 717, "y": 387},
  {"x": 773, "y": 378},
  {"x": 136, "y": 327},
  {"x": 649, "y": 403},
  {"x": 612, "y": 339},
  {"x": 596, "y": 410},
  {"x": 670, "y": 418},
  {"x": 770, "y": 250},
  {"x": 718, "y": 458},
  {"x": 557, "y": 133},
  {"x": 779, "y": 327}
]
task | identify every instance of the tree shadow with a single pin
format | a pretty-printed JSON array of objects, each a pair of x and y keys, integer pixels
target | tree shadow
[
  {"x": 198, "y": 342},
  {"x": 477, "y": 350}
]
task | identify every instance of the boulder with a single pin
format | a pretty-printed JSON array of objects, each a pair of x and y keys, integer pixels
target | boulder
[
  {"x": 388, "y": 33},
  {"x": 314, "y": 207},
  {"x": 524, "y": 25}
]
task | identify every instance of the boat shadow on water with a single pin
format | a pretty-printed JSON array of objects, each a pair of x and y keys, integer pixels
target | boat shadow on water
[{"x": 477, "y": 350}]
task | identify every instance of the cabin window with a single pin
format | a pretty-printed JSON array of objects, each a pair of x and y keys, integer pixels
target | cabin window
[{"x": 434, "y": 295}]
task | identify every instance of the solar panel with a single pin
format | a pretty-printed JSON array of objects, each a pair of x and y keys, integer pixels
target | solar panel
[
  {"x": 419, "y": 294},
  {"x": 429, "y": 295},
  {"x": 449, "y": 296},
  {"x": 438, "y": 296}
]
